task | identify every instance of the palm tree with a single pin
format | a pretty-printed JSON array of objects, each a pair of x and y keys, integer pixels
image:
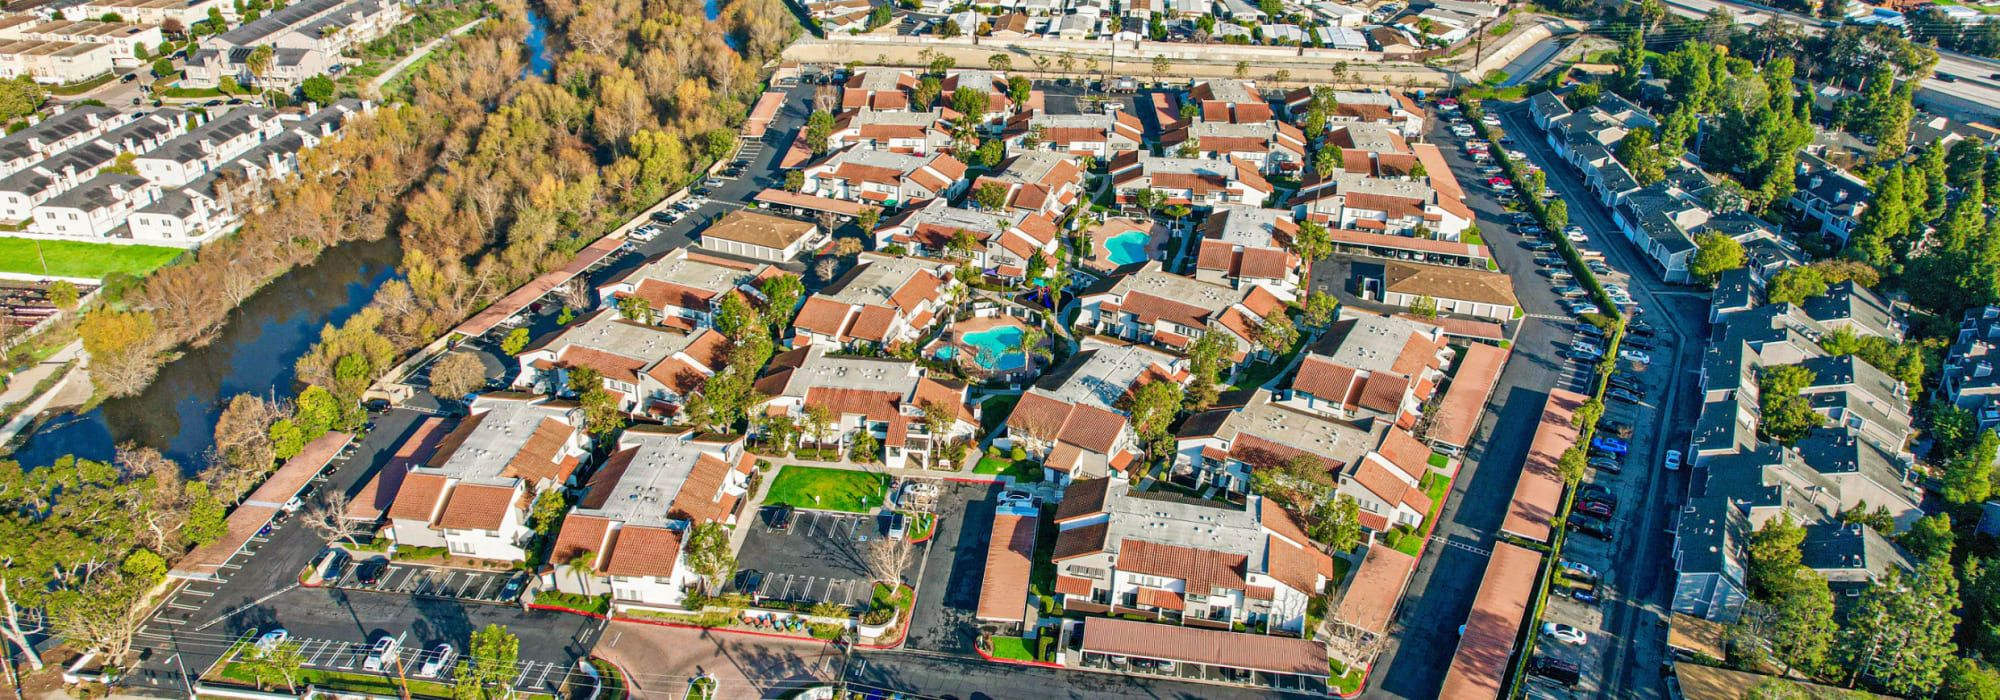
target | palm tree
[
  {"x": 582, "y": 566},
  {"x": 1031, "y": 344}
]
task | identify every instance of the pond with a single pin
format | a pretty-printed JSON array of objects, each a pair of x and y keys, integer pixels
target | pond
[{"x": 253, "y": 353}]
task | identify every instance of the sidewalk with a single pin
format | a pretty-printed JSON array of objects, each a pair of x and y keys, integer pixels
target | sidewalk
[
  {"x": 22, "y": 386},
  {"x": 390, "y": 74}
]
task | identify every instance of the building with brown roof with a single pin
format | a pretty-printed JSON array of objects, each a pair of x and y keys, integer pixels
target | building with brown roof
[
  {"x": 1455, "y": 290},
  {"x": 651, "y": 369},
  {"x": 684, "y": 287},
  {"x": 1102, "y": 135},
  {"x": 1369, "y": 366},
  {"x": 877, "y": 88},
  {"x": 1369, "y": 604},
  {"x": 1000, "y": 243},
  {"x": 897, "y": 131},
  {"x": 1156, "y": 307},
  {"x": 473, "y": 493},
  {"x": 1399, "y": 205},
  {"x": 1199, "y": 562},
  {"x": 1010, "y": 557},
  {"x": 1390, "y": 108},
  {"x": 884, "y": 178},
  {"x": 1242, "y": 245},
  {"x": 883, "y": 396},
  {"x": 1268, "y": 145},
  {"x": 761, "y": 236},
  {"x": 883, "y": 300},
  {"x": 1293, "y": 665},
  {"x": 1486, "y": 648},
  {"x": 628, "y": 527},
  {"x": 1036, "y": 182},
  {"x": 1073, "y": 418},
  {"x": 1195, "y": 182}
]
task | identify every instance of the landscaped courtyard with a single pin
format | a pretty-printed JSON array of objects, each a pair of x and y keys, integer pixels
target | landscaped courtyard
[{"x": 822, "y": 488}]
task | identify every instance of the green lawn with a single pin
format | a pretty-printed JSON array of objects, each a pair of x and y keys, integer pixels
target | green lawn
[
  {"x": 1436, "y": 486},
  {"x": 821, "y": 488},
  {"x": 242, "y": 673},
  {"x": 1440, "y": 461},
  {"x": 1345, "y": 681},
  {"x": 1340, "y": 567},
  {"x": 1026, "y": 471},
  {"x": 1007, "y": 646},
  {"x": 995, "y": 411},
  {"x": 81, "y": 259}
]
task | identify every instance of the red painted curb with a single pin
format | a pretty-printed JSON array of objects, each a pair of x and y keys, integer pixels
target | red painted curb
[
  {"x": 1017, "y": 662},
  {"x": 968, "y": 480}
]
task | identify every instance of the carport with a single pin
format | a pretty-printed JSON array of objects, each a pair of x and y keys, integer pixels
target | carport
[
  {"x": 1192, "y": 653},
  {"x": 492, "y": 316},
  {"x": 1464, "y": 401},
  {"x": 1486, "y": 648},
  {"x": 1382, "y": 245},
  {"x": 805, "y": 203},
  {"x": 1538, "y": 494},
  {"x": 256, "y": 511}
]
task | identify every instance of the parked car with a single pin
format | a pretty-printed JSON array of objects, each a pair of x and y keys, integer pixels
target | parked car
[
  {"x": 1587, "y": 349},
  {"x": 1583, "y": 308},
  {"x": 382, "y": 656},
  {"x": 1598, "y": 508},
  {"x": 1638, "y": 356},
  {"x": 899, "y": 525},
  {"x": 1570, "y": 567},
  {"x": 1589, "y": 526},
  {"x": 1594, "y": 491},
  {"x": 1626, "y": 382},
  {"x": 1560, "y": 672},
  {"x": 370, "y": 571},
  {"x": 1610, "y": 444},
  {"x": 1615, "y": 428},
  {"x": 439, "y": 659},
  {"x": 1569, "y": 290},
  {"x": 1606, "y": 465},
  {"x": 778, "y": 517},
  {"x": 1673, "y": 460},
  {"x": 1577, "y": 237},
  {"x": 1623, "y": 395},
  {"x": 1637, "y": 342},
  {"x": 1565, "y": 633}
]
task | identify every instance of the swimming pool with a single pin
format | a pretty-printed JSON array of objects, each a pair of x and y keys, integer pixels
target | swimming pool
[
  {"x": 1128, "y": 247},
  {"x": 999, "y": 348}
]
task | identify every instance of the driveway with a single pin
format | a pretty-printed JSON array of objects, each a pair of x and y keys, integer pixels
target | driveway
[{"x": 954, "y": 567}]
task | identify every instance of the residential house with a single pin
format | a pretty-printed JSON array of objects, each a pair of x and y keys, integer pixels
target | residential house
[
  {"x": 989, "y": 83},
  {"x": 882, "y": 301},
  {"x": 187, "y": 157},
  {"x": 649, "y": 369},
  {"x": 1154, "y": 306},
  {"x": 1968, "y": 378},
  {"x": 1234, "y": 101},
  {"x": 883, "y": 89},
  {"x": 885, "y": 178},
  {"x": 1195, "y": 182},
  {"x": 1243, "y": 245},
  {"x": 628, "y": 535},
  {"x": 1828, "y": 196},
  {"x": 900, "y": 131},
  {"x": 886, "y": 397},
  {"x": 1036, "y": 182},
  {"x": 1074, "y": 419},
  {"x": 21, "y": 191},
  {"x": 1202, "y": 563},
  {"x": 55, "y": 62},
  {"x": 1271, "y": 146},
  {"x": 474, "y": 494},
  {"x": 1368, "y": 367},
  {"x": 998, "y": 243},
  {"x": 683, "y": 288},
  {"x": 1102, "y": 136},
  {"x": 1371, "y": 204},
  {"x": 1391, "y": 109},
  {"x": 62, "y": 130},
  {"x": 94, "y": 209}
]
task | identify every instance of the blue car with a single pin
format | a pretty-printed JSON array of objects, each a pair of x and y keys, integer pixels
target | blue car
[{"x": 1610, "y": 444}]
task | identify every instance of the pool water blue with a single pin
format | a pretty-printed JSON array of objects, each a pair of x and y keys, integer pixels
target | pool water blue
[
  {"x": 1128, "y": 247},
  {"x": 1001, "y": 346}
]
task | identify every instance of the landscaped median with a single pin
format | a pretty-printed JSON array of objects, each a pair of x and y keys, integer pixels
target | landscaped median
[{"x": 886, "y": 619}]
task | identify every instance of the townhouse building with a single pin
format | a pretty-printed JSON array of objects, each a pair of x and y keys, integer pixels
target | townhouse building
[
  {"x": 21, "y": 191},
  {"x": 95, "y": 208},
  {"x": 55, "y": 62},
  {"x": 885, "y": 397},
  {"x": 992, "y": 84},
  {"x": 124, "y": 38},
  {"x": 1827, "y": 196},
  {"x": 1404, "y": 207},
  {"x": 1229, "y": 101},
  {"x": 628, "y": 534},
  {"x": 649, "y": 369},
  {"x": 998, "y": 243},
  {"x": 473, "y": 495},
  {"x": 1195, "y": 182},
  {"x": 62, "y": 130},
  {"x": 683, "y": 288},
  {"x": 1450, "y": 289},
  {"x": 1074, "y": 418},
  {"x": 1391, "y": 109},
  {"x": 885, "y": 178},
  {"x": 1036, "y": 183},
  {"x": 1243, "y": 245},
  {"x": 1368, "y": 367},
  {"x": 896, "y": 131},
  {"x": 1102, "y": 136},
  {"x": 183, "y": 159},
  {"x": 1168, "y": 310},
  {"x": 219, "y": 198},
  {"x": 1968, "y": 378},
  {"x": 877, "y": 88},
  {"x": 882, "y": 301},
  {"x": 1197, "y": 562},
  {"x": 1272, "y": 146},
  {"x": 187, "y": 12}
]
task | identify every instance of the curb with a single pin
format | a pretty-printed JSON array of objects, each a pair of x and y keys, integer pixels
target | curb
[{"x": 1017, "y": 662}]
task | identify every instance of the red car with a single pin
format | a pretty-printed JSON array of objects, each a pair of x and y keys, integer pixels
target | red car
[{"x": 1499, "y": 181}]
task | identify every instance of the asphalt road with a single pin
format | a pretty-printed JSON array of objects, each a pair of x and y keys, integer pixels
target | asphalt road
[
  {"x": 953, "y": 569},
  {"x": 1637, "y": 608},
  {"x": 922, "y": 675}
]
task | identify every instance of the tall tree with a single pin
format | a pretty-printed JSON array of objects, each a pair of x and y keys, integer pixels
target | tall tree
[
  {"x": 488, "y": 671},
  {"x": 1900, "y": 631},
  {"x": 1715, "y": 253}
]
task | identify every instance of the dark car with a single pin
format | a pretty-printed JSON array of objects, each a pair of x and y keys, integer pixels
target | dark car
[
  {"x": 334, "y": 559},
  {"x": 1597, "y": 508},
  {"x": 370, "y": 571},
  {"x": 1947, "y": 77},
  {"x": 1589, "y": 526},
  {"x": 1638, "y": 342},
  {"x": 778, "y": 517},
  {"x": 1615, "y": 428},
  {"x": 513, "y": 588},
  {"x": 1593, "y": 491},
  {"x": 1559, "y": 671},
  {"x": 1606, "y": 465},
  {"x": 663, "y": 217},
  {"x": 699, "y": 191},
  {"x": 129, "y": 77},
  {"x": 376, "y": 405}
]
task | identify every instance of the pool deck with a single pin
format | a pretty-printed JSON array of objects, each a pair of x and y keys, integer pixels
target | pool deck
[
  {"x": 965, "y": 353},
  {"x": 1100, "y": 257}
]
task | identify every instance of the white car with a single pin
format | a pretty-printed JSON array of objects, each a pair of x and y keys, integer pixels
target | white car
[
  {"x": 1490, "y": 120},
  {"x": 381, "y": 655},
  {"x": 1575, "y": 568},
  {"x": 1636, "y": 356},
  {"x": 271, "y": 640},
  {"x": 437, "y": 661},
  {"x": 1673, "y": 460},
  {"x": 1576, "y": 236},
  {"x": 1565, "y": 633}
]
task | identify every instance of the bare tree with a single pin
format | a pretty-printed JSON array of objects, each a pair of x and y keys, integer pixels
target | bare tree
[
  {"x": 889, "y": 559},
  {"x": 328, "y": 516}
]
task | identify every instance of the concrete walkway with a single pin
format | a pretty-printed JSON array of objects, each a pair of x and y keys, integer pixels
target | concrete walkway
[
  {"x": 390, "y": 74},
  {"x": 25, "y": 382},
  {"x": 21, "y": 386}
]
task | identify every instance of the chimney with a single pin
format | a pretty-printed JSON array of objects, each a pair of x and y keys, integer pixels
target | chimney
[
  {"x": 118, "y": 191},
  {"x": 1817, "y": 180}
]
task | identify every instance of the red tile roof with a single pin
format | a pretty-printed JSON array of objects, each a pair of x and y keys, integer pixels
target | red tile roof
[
  {"x": 1458, "y": 413},
  {"x": 822, "y": 316},
  {"x": 418, "y": 497},
  {"x": 475, "y": 507},
  {"x": 1378, "y": 585},
  {"x": 643, "y": 551},
  {"x": 1202, "y": 569},
  {"x": 580, "y": 534},
  {"x": 1539, "y": 492},
  {"x": 1487, "y": 646},
  {"x": 1295, "y": 566},
  {"x": 1071, "y": 585},
  {"x": 1148, "y": 640},
  {"x": 1404, "y": 450},
  {"x": 875, "y": 405},
  {"x": 1323, "y": 378},
  {"x": 1003, "y": 592},
  {"x": 1080, "y": 541},
  {"x": 701, "y": 498},
  {"x": 541, "y": 457}
]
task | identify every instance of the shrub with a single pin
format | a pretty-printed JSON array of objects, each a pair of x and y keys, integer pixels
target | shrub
[
  {"x": 993, "y": 450},
  {"x": 1017, "y": 454}
]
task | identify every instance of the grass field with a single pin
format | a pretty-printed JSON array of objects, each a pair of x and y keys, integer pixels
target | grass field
[
  {"x": 820, "y": 488},
  {"x": 1024, "y": 471},
  {"x": 80, "y": 259}
]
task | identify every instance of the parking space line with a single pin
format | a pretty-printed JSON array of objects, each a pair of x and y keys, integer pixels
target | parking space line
[
  {"x": 488, "y": 588},
  {"x": 204, "y": 594},
  {"x": 469, "y": 580}
]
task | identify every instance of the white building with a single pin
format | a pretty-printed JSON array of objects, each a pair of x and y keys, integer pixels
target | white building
[{"x": 473, "y": 496}]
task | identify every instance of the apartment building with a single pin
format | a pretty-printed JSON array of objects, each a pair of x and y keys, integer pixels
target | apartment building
[
  {"x": 1273, "y": 147},
  {"x": 1396, "y": 206},
  {"x": 219, "y": 198},
  {"x": 1200, "y": 563},
  {"x": 55, "y": 62},
  {"x": 884, "y": 300},
  {"x": 62, "y": 130},
  {"x": 187, "y": 157},
  {"x": 1241, "y": 246},
  {"x": 1036, "y": 183},
  {"x": 1156, "y": 307},
  {"x": 885, "y": 397},
  {"x": 1195, "y": 182},
  {"x": 473, "y": 495},
  {"x": 1372, "y": 367},
  {"x": 897, "y": 131},
  {"x": 1102, "y": 136},
  {"x": 1074, "y": 418},
  {"x": 683, "y": 288},
  {"x": 1392, "y": 109},
  {"x": 60, "y": 172},
  {"x": 998, "y": 243},
  {"x": 124, "y": 38},
  {"x": 1828, "y": 196},
  {"x": 1229, "y": 101},
  {"x": 627, "y": 536},
  {"x": 885, "y": 178},
  {"x": 650, "y": 369}
]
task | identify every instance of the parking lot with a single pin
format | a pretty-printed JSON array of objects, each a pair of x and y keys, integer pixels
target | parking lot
[
  {"x": 818, "y": 557},
  {"x": 418, "y": 659},
  {"x": 430, "y": 581}
]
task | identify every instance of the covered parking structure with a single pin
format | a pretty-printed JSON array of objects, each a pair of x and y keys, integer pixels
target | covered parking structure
[
  {"x": 1214, "y": 656},
  {"x": 1383, "y": 245},
  {"x": 263, "y": 504},
  {"x": 809, "y": 204}
]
